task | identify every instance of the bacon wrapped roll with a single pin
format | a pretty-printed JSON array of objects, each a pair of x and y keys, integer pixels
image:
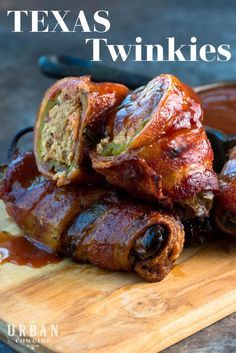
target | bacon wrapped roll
[
  {"x": 156, "y": 148},
  {"x": 69, "y": 120},
  {"x": 90, "y": 224},
  {"x": 225, "y": 206}
]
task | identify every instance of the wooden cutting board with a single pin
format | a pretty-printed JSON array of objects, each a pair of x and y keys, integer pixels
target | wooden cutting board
[{"x": 92, "y": 310}]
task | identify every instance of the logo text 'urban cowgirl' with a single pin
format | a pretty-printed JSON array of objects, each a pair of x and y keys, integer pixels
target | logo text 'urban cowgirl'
[{"x": 32, "y": 334}]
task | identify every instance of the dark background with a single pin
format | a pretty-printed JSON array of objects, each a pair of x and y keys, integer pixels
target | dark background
[{"x": 22, "y": 85}]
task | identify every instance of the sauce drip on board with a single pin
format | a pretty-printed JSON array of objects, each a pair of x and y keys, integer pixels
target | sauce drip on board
[{"x": 20, "y": 251}]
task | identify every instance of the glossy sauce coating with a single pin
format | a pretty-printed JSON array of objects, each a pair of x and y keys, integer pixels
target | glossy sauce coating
[
  {"x": 37, "y": 205},
  {"x": 91, "y": 224},
  {"x": 20, "y": 251},
  {"x": 157, "y": 147}
]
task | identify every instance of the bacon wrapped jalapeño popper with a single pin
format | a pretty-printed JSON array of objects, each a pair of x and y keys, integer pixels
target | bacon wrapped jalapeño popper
[
  {"x": 91, "y": 224},
  {"x": 155, "y": 146},
  {"x": 225, "y": 205},
  {"x": 69, "y": 120}
]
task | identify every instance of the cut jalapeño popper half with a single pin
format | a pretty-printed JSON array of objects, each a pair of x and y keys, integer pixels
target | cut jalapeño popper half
[
  {"x": 70, "y": 120},
  {"x": 155, "y": 147}
]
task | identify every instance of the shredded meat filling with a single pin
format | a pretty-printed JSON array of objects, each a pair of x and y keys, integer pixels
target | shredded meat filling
[{"x": 60, "y": 130}]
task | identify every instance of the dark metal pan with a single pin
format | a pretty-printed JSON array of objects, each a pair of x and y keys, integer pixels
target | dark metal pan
[{"x": 222, "y": 117}]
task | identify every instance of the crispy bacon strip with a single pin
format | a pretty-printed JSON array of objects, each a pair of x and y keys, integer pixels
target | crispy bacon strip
[
  {"x": 155, "y": 146},
  {"x": 225, "y": 206},
  {"x": 91, "y": 224},
  {"x": 69, "y": 121}
]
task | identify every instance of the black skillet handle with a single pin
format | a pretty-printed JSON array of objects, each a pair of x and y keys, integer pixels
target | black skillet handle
[
  {"x": 13, "y": 149},
  {"x": 58, "y": 66}
]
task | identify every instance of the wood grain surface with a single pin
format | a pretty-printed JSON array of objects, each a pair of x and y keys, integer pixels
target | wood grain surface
[
  {"x": 105, "y": 312},
  {"x": 101, "y": 311}
]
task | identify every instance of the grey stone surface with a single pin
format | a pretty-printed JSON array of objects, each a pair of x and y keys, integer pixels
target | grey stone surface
[
  {"x": 22, "y": 85},
  {"x": 5, "y": 349},
  {"x": 217, "y": 338}
]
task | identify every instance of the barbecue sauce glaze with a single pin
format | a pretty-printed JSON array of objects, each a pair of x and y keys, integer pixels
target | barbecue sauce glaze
[{"x": 20, "y": 251}]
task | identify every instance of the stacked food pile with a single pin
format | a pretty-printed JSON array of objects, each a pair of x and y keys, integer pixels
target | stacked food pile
[{"x": 117, "y": 177}]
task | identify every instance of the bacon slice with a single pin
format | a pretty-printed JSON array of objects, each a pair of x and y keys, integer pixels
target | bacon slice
[
  {"x": 155, "y": 146},
  {"x": 91, "y": 224},
  {"x": 69, "y": 122}
]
